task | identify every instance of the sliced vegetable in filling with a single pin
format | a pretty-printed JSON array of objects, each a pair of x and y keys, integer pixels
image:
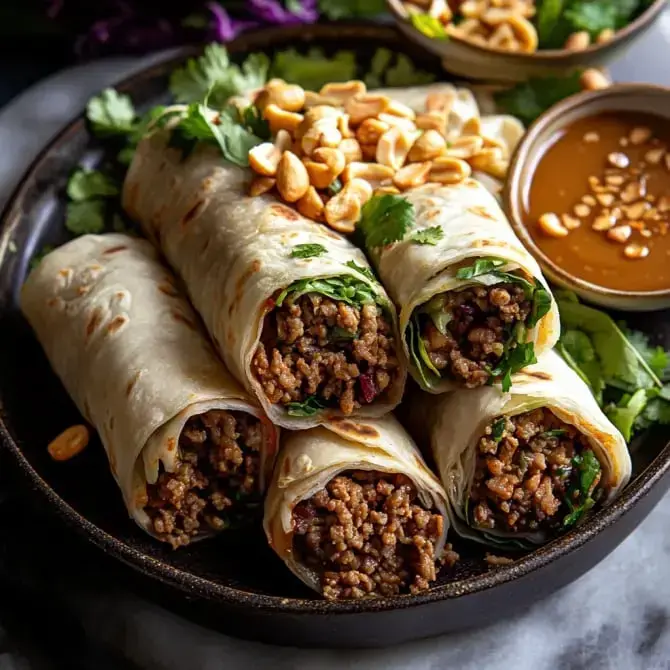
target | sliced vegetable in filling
[
  {"x": 216, "y": 483},
  {"x": 534, "y": 473},
  {"x": 477, "y": 335},
  {"x": 326, "y": 344},
  {"x": 367, "y": 534}
]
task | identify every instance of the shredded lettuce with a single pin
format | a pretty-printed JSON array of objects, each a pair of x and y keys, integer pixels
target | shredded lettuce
[{"x": 344, "y": 288}]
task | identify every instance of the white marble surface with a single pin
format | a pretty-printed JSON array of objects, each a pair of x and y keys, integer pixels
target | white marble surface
[{"x": 616, "y": 616}]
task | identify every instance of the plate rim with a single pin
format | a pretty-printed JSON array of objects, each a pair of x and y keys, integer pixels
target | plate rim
[{"x": 193, "y": 584}]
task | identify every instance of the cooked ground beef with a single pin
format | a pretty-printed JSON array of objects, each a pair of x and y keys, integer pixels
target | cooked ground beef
[
  {"x": 215, "y": 484},
  {"x": 522, "y": 479},
  {"x": 482, "y": 321},
  {"x": 367, "y": 535},
  {"x": 315, "y": 346}
]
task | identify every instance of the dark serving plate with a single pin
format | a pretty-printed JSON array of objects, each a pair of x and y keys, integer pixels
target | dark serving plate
[{"x": 234, "y": 582}]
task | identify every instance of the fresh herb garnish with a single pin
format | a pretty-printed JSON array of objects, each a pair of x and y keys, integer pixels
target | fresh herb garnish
[
  {"x": 624, "y": 414},
  {"x": 212, "y": 75},
  {"x": 385, "y": 219},
  {"x": 556, "y": 432},
  {"x": 351, "y": 9},
  {"x": 308, "y": 250},
  {"x": 540, "y": 306},
  {"x": 344, "y": 288},
  {"x": 429, "y": 236},
  {"x": 438, "y": 315},
  {"x": 111, "y": 113},
  {"x": 429, "y": 26},
  {"x": 366, "y": 272},
  {"x": 250, "y": 118},
  {"x": 419, "y": 355},
  {"x": 343, "y": 334},
  {"x": 528, "y": 100},
  {"x": 579, "y": 498},
  {"x": 515, "y": 359},
  {"x": 404, "y": 73},
  {"x": 498, "y": 428},
  {"x": 87, "y": 216},
  {"x": 88, "y": 184},
  {"x": 481, "y": 266},
  {"x": 313, "y": 69},
  {"x": 89, "y": 192},
  {"x": 308, "y": 407}
]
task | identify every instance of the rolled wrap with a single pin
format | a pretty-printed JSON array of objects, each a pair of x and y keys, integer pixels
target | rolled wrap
[
  {"x": 233, "y": 253},
  {"x": 309, "y": 459},
  {"x": 129, "y": 350},
  {"x": 473, "y": 227},
  {"x": 453, "y": 424}
]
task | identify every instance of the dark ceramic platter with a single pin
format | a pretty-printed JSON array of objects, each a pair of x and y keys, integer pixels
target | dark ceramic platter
[{"x": 235, "y": 582}]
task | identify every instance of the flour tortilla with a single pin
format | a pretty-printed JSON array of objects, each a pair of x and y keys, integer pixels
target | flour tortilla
[
  {"x": 130, "y": 351},
  {"x": 309, "y": 459}
]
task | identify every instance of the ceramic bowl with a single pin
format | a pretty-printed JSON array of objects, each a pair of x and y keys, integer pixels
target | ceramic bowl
[
  {"x": 476, "y": 62},
  {"x": 622, "y": 98}
]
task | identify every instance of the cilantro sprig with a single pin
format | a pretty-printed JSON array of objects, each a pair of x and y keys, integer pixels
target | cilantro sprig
[
  {"x": 344, "y": 288},
  {"x": 430, "y": 236},
  {"x": 308, "y": 250},
  {"x": 385, "y": 219},
  {"x": 580, "y": 495},
  {"x": 308, "y": 407},
  {"x": 93, "y": 197}
]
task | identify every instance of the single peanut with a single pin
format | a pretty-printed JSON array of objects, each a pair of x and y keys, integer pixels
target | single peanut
[
  {"x": 592, "y": 80},
  {"x": 589, "y": 200},
  {"x": 414, "y": 174},
  {"x": 264, "y": 159},
  {"x": 401, "y": 122},
  {"x": 396, "y": 108},
  {"x": 374, "y": 173},
  {"x": 362, "y": 107},
  {"x": 447, "y": 170},
  {"x": 343, "y": 126},
  {"x": 603, "y": 222},
  {"x": 311, "y": 205},
  {"x": 351, "y": 150},
  {"x": 332, "y": 160},
  {"x": 441, "y": 101},
  {"x": 393, "y": 147},
  {"x": 605, "y": 36},
  {"x": 570, "y": 222},
  {"x": 283, "y": 140},
  {"x": 639, "y": 135},
  {"x": 429, "y": 145},
  {"x": 432, "y": 121},
  {"x": 582, "y": 210},
  {"x": 466, "y": 147},
  {"x": 618, "y": 159},
  {"x": 371, "y": 130},
  {"x": 620, "y": 233},
  {"x": 386, "y": 190},
  {"x": 280, "y": 119},
  {"x": 605, "y": 199},
  {"x": 473, "y": 126},
  {"x": 525, "y": 33},
  {"x": 636, "y": 251},
  {"x": 343, "y": 91},
  {"x": 69, "y": 443},
  {"x": 289, "y": 97},
  {"x": 578, "y": 41},
  {"x": 654, "y": 156},
  {"x": 317, "y": 100},
  {"x": 261, "y": 185},
  {"x": 343, "y": 210},
  {"x": 551, "y": 225},
  {"x": 292, "y": 177}
]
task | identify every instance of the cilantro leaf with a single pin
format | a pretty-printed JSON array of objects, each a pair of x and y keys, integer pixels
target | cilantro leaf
[
  {"x": 385, "y": 219},
  {"x": 481, "y": 266},
  {"x": 380, "y": 61},
  {"x": 556, "y": 432},
  {"x": 429, "y": 26},
  {"x": 625, "y": 414},
  {"x": 541, "y": 305},
  {"x": 593, "y": 16},
  {"x": 87, "y": 216},
  {"x": 308, "y": 250},
  {"x": 308, "y": 407},
  {"x": 656, "y": 357},
  {"x": 429, "y": 236},
  {"x": 111, "y": 113},
  {"x": 498, "y": 428},
  {"x": 351, "y": 9},
  {"x": 334, "y": 187},
  {"x": 514, "y": 360},
  {"x": 547, "y": 21},
  {"x": 366, "y": 272},
  {"x": 88, "y": 184},
  {"x": 313, "y": 69},
  {"x": 577, "y": 350},
  {"x": 579, "y": 498},
  {"x": 344, "y": 288},
  {"x": 528, "y": 100},
  {"x": 213, "y": 75},
  {"x": 250, "y": 117},
  {"x": 405, "y": 73}
]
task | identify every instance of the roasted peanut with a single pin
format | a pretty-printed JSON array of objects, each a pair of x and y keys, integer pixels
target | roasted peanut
[
  {"x": 654, "y": 156},
  {"x": 264, "y": 159},
  {"x": 69, "y": 443},
  {"x": 316, "y": 100},
  {"x": 465, "y": 147},
  {"x": 582, "y": 210},
  {"x": 398, "y": 122},
  {"x": 343, "y": 210},
  {"x": 524, "y": 32},
  {"x": 620, "y": 233},
  {"x": 592, "y": 80},
  {"x": 311, "y": 205},
  {"x": 412, "y": 175},
  {"x": 440, "y": 101},
  {"x": 283, "y": 141},
  {"x": 369, "y": 152},
  {"x": 551, "y": 225},
  {"x": 617, "y": 159},
  {"x": 386, "y": 190},
  {"x": 578, "y": 41},
  {"x": 331, "y": 159},
  {"x": 292, "y": 177},
  {"x": 351, "y": 150},
  {"x": 362, "y": 107},
  {"x": 605, "y": 36},
  {"x": 261, "y": 185},
  {"x": 432, "y": 121},
  {"x": 393, "y": 147},
  {"x": 290, "y": 97},
  {"x": 396, "y": 108},
  {"x": 447, "y": 170},
  {"x": 280, "y": 119},
  {"x": 570, "y": 222},
  {"x": 604, "y": 222},
  {"x": 371, "y": 130},
  {"x": 430, "y": 144},
  {"x": 636, "y": 251},
  {"x": 343, "y": 126},
  {"x": 374, "y": 173},
  {"x": 639, "y": 135},
  {"x": 343, "y": 91}
]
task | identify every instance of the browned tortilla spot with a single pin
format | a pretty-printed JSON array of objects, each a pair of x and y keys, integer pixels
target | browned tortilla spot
[
  {"x": 286, "y": 467},
  {"x": 489, "y": 243},
  {"x": 178, "y": 316},
  {"x": 239, "y": 286},
  {"x": 285, "y": 212},
  {"x": 193, "y": 212},
  {"x": 116, "y": 323},
  {"x": 207, "y": 184},
  {"x": 356, "y": 429},
  {"x": 83, "y": 290},
  {"x": 537, "y": 375},
  {"x": 131, "y": 383},
  {"x": 480, "y": 211},
  {"x": 114, "y": 250},
  {"x": 65, "y": 272},
  {"x": 168, "y": 288},
  {"x": 52, "y": 302},
  {"x": 230, "y": 338},
  {"x": 93, "y": 322},
  {"x": 171, "y": 444},
  {"x": 431, "y": 214}
]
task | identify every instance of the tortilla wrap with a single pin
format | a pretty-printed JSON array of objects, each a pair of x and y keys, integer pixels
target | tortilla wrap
[
  {"x": 130, "y": 351},
  {"x": 452, "y": 425},
  {"x": 233, "y": 253},
  {"x": 309, "y": 459}
]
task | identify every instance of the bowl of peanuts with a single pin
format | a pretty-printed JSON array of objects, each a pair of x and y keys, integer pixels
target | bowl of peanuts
[
  {"x": 514, "y": 40},
  {"x": 588, "y": 193}
]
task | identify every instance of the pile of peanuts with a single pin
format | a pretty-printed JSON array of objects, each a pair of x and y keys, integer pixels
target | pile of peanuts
[
  {"x": 620, "y": 205},
  {"x": 497, "y": 24},
  {"x": 334, "y": 149}
]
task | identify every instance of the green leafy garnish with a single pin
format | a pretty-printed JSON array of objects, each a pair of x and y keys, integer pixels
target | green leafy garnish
[
  {"x": 87, "y": 216},
  {"x": 655, "y": 356},
  {"x": 625, "y": 413},
  {"x": 528, "y": 100},
  {"x": 344, "y": 288},
  {"x": 547, "y": 19},
  {"x": 308, "y": 250},
  {"x": 195, "y": 126},
  {"x": 308, "y": 407},
  {"x": 212, "y": 75},
  {"x": 380, "y": 61},
  {"x": 429, "y": 26},
  {"x": 351, "y": 9},
  {"x": 343, "y": 334},
  {"x": 579, "y": 498},
  {"x": 498, "y": 428},
  {"x": 88, "y": 184},
  {"x": 313, "y": 69},
  {"x": 251, "y": 119},
  {"x": 385, "y": 219},
  {"x": 435, "y": 310},
  {"x": 366, "y": 272},
  {"x": 481, "y": 266},
  {"x": 404, "y": 73},
  {"x": 111, "y": 113},
  {"x": 515, "y": 359},
  {"x": 429, "y": 236},
  {"x": 556, "y": 432},
  {"x": 419, "y": 355},
  {"x": 541, "y": 305}
]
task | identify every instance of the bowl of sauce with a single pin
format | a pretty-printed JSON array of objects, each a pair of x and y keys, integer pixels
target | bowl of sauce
[{"x": 588, "y": 192}]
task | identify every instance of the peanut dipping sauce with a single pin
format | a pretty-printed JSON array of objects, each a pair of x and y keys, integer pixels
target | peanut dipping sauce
[{"x": 599, "y": 201}]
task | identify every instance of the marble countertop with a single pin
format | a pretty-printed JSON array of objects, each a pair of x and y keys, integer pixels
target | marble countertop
[{"x": 616, "y": 616}]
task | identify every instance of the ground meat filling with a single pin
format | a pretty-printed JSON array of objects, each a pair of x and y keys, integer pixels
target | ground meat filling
[
  {"x": 215, "y": 484},
  {"x": 483, "y": 319},
  {"x": 318, "y": 347},
  {"x": 526, "y": 472},
  {"x": 367, "y": 534}
]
